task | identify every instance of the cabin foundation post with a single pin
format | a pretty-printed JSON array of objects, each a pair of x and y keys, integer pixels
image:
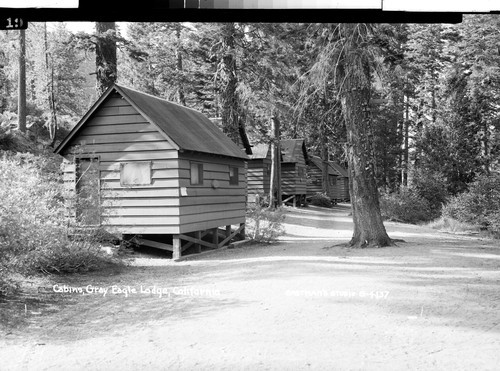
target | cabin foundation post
[
  {"x": 197, "y": 246},
  {"x": 215, "y": 237},
  {"x": 228, "y": 231},
  {"x": 295, "y": 201},
  {"x": 242, "y": 231},
  {"x": 176, "y": 242}
]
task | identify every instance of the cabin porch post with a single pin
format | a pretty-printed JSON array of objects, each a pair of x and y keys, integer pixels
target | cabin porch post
[
  {"x": 215, "y": 237},
  {"x": 242, "y": 232}
]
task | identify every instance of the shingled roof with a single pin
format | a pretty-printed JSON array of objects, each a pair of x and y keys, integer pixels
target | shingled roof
[{"x": 187, "y": 128}]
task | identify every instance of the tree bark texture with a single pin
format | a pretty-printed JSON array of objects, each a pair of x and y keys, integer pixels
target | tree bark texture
[
  {"x": 231, "y": 120},
  {"x": 105, "y": 56},
  {"x": 21, "y": 103},
  {"x": 181, "y": 96},
  {"x": 354, "y": 72}
]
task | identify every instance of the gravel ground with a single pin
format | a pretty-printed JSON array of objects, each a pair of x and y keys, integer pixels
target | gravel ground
[{"x": 305, "y": 303}]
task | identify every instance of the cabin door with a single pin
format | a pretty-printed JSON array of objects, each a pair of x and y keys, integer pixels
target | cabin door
[{"x": 87, "y": 191}]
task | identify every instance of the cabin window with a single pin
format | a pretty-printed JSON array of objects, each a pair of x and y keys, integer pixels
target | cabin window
[
  {"x": 196, "y": 173},
  {"x": 333, "y": 180},
  {"x": 233, "y": 175},
  {"x": 135, "y": 173}
]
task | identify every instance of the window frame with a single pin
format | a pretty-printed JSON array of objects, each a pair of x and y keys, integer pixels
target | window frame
[
  {"x": 200, "y": 170},
  {"x": 149, "y": 164},
  {"x": 235, "y": 178}
]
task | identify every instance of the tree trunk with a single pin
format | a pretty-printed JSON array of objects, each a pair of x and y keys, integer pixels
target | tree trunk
[
  {"x": 105, "y": 56},
  {"x": 369, "y": 230},
  {"x": 49, "y": 70},
  {"x": 21, "y": 103},
  {"x": 229, "y": 99},
  {"x": 181, "y": 97},
  {"x": 406, "y": 150},
  {"x": 275, "y": 186},
  {"x": 324, "y": 158}
]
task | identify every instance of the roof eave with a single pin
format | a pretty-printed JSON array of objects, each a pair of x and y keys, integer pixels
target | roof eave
[{"x": 83, "y": 120}]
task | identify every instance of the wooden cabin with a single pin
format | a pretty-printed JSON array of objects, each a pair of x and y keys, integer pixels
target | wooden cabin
[
  {"x": 342, "y": 185},
  {"x": 259, "y": 171},
  {"x": 294, "y": 171},
  {"x": 157, "y": 168},
  {"x": 315, "y": 178}
]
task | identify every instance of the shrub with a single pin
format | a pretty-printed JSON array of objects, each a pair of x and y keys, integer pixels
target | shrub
[
  {"x": 322, "y": 200},
  {"x": 264, "y": 224},
  {"x": 405, "y": 206},
  {"x": 432, "y": 187},
  {"x": 5, "y": 136},
  {"x": 34, "y": 224},
  {"x": 480, "y": 205}
]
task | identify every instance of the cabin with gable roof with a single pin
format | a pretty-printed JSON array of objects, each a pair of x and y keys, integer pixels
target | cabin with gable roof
[
  {"x": 294, "y": 161},
  {"x": 156, "y": 168}
]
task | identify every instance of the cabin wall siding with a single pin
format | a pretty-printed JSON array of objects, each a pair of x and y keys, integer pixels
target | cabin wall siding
[
  {"x": 291, "y": 183},
  {"x": 258, "y": 177},
  {"x": 314, "y": 180},
  {"x": 315, "y": 183},
  {"x": 215, "y": 202},
  {"x": 118, "y": 134}
]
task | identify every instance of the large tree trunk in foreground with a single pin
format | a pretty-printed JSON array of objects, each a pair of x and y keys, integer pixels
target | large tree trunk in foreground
[
  {"x": 105, "y": 56},
  {"x": 354, "y": 72}
]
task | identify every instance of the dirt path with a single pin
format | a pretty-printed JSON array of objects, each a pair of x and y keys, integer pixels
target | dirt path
[{"x": 429, "y": 303}]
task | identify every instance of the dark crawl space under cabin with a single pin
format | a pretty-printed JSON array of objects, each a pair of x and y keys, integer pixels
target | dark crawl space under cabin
[{"x": 157, "y": 169}]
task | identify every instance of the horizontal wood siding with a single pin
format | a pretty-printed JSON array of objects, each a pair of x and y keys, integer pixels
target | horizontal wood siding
[
  {"x": 214, "y": 203},
  {"x": 314, "y": 180},
  {"x": 301, "y": 181},
  {"x": 117, "y": 134},
  {"x": 258, "y": 177},
  {"x": 291, "y": 183},
  {"x": 288, "y": 178},
  {"x": 315, "y": 183}
]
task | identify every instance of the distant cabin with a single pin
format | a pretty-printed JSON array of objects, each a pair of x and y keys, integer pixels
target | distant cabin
[
  {"x": 342, "y": 185},
  {"x": 315, "y": 178},
  {"x": 294, "y": 170},
  {"x": 156, "y": 168},
  {"x": 259, "y": 171}
]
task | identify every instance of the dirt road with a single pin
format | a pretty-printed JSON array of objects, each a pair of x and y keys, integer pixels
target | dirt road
[{"x": 429, "y": 303}]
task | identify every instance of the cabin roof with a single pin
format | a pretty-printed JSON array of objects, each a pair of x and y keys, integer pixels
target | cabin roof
[
  {"x": 187, "y": 128},
  {"x": 318, "y": 162},
  {"x": 259, "y": 151},
  {"x": 339, "y": 168},
  {"x": 291, "y": 149}
]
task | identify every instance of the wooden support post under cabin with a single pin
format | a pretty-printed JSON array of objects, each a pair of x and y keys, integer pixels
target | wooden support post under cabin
[
  {"x": 197, "y": 246},
  {"x": 215, "y": 237},
  {"x": 242, "y": 231},
  {"x": 228, "y": 231},
  {"x": 176, "y": 242}
]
